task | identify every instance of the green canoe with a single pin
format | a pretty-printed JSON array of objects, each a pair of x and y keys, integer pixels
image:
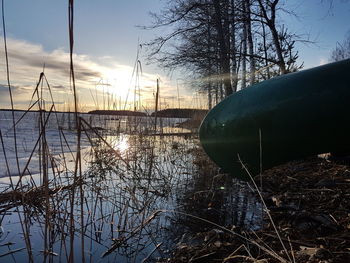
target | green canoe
[{"x": 297, "y": 115}]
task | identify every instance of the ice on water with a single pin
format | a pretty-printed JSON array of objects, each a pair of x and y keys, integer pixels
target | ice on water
[{"x": 27, "y": 135}]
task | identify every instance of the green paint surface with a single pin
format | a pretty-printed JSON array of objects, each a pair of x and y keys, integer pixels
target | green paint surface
[{"x": 298, "y": 114}]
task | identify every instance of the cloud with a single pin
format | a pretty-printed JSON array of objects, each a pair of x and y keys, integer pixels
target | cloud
[
  {"x": 20, "y": 95},
  {"x": 28, "y": 60},
  {"x": 58, "y": 87},
  {"x": 322, "y": 61}
]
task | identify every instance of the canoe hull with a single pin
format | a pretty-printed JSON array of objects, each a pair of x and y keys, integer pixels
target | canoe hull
[{"x": 288, "y": 117}]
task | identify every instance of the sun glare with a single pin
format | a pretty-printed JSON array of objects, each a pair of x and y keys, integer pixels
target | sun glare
[
  {"x": 116, "y": 82},
  {"x": 121, "y": 145},
  {"x": 122, "y": 87}
]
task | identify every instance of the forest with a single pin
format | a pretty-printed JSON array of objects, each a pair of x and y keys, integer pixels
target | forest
[{"x": 228, "y": 45}]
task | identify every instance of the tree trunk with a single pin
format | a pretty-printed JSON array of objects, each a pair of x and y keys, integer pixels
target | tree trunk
[
  {"x": 271, "y": 23},
  {"x": 250, "y": 42},
  {"x": 233, "y": 47},
  {"x": 210, "y": 105},
  {"x": 209, "y": 60},
  {"x": 265, "y": 51},
  {"x": 244, "y": 51},
  {"x": 224, "y": 55}
]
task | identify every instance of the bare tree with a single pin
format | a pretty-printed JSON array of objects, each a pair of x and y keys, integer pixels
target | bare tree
[
  {"x": 268, "y": 11},
  {"x": 221, "y": 27},
  {"x": 342, "y": 50},
  {"x": 222, "y": 42},
  {"x": 250, "y": 43}
]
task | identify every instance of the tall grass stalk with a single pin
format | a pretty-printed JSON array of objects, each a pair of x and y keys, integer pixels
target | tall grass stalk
[
  {"x": 9, "y": 83},
  {"x": 268, "y": 251},
  {"x": 265, "y": 206}
]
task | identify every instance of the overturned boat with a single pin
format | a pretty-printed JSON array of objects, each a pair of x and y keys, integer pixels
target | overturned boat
[{"x": 285, "y": 118}]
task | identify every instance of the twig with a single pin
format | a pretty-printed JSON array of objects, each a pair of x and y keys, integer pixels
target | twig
[
  {"x": 151, "y": 253},
  {"x": 267, "y": 211},
  {"x": 270, "y": 252},
  {"x": 12, "y": 252}
]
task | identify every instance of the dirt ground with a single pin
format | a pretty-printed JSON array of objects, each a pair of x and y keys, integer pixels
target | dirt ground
[{"x": 309, "y": 203}]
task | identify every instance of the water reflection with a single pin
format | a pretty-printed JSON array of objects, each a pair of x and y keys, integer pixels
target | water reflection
[
  {"x": 111, "y": 211},
  {"x": 217, "y": 198},
  {"x": 119, "y": 143},
  {"x": 122, "y": 145}
]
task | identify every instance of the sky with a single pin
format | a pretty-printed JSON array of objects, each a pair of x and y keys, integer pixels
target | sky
[{"x": 106, "y": 44}]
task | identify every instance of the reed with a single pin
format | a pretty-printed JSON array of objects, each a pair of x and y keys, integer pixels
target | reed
[{"x": 89, "y": 197}]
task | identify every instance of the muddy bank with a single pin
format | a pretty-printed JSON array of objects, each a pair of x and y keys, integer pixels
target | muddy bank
[{"x": 308, "y": 201}]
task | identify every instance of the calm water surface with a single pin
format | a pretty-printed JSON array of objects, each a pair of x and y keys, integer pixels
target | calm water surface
[{"x": 134, "y": 198}]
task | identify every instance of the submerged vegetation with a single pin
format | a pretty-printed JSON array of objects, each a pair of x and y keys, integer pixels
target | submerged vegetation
[
  {"x": 136, "y": 194},
  {"x": 151, "y": 198}
]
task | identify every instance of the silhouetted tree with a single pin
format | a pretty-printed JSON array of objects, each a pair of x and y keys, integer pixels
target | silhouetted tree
[
  {"x": 223, "y": 43},
  {"x": 342, "y": 50}
]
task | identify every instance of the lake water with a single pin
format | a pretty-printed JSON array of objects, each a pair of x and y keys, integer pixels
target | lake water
[{"x": 133, "y": 197}]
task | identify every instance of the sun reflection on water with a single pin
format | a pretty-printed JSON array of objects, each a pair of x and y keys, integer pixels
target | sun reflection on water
[{"x": 122, "y": 144}]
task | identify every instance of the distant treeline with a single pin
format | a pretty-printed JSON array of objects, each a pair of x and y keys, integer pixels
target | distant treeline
[
  {"x": 168, "y": 113},
  {"x": 118, "y": 112},
  {"x": 180, "y": 113},
  {"x": 23, "y": 110}
]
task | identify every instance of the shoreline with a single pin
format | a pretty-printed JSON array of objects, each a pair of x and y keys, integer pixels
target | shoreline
[{"x": 309, "y": 203}]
